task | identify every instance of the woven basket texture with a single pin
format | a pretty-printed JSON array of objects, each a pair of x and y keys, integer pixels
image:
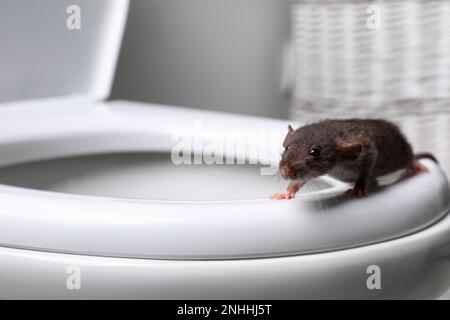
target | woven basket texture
[{"x": 385, "y": 59}]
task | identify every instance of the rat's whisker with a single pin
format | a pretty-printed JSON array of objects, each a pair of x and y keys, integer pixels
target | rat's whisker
[
  {"x": 323, "y": 204},
  {"x": 317, "y": 189}
]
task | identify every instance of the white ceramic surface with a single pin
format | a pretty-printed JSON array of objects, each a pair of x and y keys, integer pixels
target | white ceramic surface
[
  {"x": 41, "y": 57},
  {"x": 208, "y": 228}
]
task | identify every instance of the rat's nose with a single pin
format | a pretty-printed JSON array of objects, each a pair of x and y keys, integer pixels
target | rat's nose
[{"x": 286, "y": 171}]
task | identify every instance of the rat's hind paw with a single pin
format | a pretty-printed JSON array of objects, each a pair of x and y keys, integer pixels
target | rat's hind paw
[
  {"x": 283, "y": 196},
  {"x": 356, "y": 192},
  {"x": 415, "y": 168}
]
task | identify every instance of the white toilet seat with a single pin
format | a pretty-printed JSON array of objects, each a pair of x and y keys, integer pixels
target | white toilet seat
[{"x": 46, "y": 221}]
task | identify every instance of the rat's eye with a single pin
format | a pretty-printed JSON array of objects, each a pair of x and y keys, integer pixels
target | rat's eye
[{"x": 314, "y": 152}]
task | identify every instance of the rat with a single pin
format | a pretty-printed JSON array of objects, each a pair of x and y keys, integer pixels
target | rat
[{"x": 351, "y": 150}]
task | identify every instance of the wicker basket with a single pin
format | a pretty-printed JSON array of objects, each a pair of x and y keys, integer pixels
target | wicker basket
[{"x": 399, "y": 69}]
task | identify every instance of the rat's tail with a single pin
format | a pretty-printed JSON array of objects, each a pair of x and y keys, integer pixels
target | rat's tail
[{"x": 425, "y": 155}]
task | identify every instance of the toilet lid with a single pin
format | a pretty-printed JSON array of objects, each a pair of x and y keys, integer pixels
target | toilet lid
[
  {"x": 44, "y": 54},
  {"x": 257, "y": 227}
]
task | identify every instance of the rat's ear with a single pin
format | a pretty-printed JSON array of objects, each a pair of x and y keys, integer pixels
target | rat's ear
[
  {"x": 349, "y": 150},
  {"x": 290, "y": 130},
  {"x": 289, "y": 136}
]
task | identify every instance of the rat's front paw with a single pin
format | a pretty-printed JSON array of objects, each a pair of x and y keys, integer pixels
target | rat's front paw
[{"x": 283, "y": 196}]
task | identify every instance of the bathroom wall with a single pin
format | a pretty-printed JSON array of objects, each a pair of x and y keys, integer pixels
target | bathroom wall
[{"x": 211, "y": 54}]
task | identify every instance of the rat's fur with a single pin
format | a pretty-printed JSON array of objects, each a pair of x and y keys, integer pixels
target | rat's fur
[{"x": 352, "y": 150}]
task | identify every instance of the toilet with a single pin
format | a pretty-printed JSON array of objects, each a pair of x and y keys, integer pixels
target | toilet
[{"x": 93, "y": 207}]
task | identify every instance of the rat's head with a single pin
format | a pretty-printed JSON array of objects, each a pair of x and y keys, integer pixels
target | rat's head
[{"x": 310, "y": 151}]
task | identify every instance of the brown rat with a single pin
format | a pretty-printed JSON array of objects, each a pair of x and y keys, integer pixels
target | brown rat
[{"x": 351, "y": 150}]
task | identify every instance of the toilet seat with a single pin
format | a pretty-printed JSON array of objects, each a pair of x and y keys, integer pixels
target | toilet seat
[{"x": 101, "y": 226}]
